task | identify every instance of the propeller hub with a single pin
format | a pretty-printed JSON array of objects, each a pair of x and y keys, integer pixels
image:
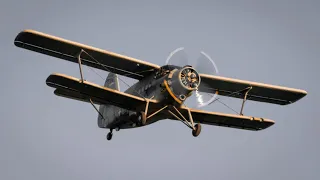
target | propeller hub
[{"x": 189, "y": 78}]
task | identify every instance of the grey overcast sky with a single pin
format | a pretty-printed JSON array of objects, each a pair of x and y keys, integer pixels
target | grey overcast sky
[{"x": 47, "y": 137}]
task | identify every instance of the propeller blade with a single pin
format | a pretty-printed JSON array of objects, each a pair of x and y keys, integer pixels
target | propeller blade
[
  {"x": 178, "y": 57},
  {"x": 205, "y": 65}
]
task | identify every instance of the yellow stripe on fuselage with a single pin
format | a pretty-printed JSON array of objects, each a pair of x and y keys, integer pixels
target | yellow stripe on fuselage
[{"x": 171, "y": 93}]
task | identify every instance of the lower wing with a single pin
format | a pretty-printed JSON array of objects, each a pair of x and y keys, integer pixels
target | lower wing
[
  {"x": 73, "y": 88},
  {"x": 226, "y": 120}
]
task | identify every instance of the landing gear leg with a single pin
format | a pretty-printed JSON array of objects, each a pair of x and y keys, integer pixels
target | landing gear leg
[
  {"x": 142, "y": 118},
  {"x": 196, "y": 128},
  {"x": 109, "y": 135}
]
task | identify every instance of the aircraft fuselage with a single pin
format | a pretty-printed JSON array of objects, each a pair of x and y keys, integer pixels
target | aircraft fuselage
[{"x": 154, "y": 87}]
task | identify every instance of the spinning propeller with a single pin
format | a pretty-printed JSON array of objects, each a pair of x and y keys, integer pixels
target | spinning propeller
[{"x": 203, "y": 65}]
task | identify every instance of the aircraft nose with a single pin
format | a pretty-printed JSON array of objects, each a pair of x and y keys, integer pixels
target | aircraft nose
[
  {"x": 194, "y": 85},
  {"x": 193, "y": 75}
]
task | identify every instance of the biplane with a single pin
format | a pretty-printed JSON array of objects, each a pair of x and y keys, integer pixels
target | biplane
[{"x": 159, "y": 93}]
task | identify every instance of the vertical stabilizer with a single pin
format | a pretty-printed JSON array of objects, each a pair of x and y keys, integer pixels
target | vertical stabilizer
[{"x": 112, "y": 83}]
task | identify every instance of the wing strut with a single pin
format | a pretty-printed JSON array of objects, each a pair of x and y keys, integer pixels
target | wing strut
[
  {"x": 157, "y": 111},
  {"x": 81, "y": 73},
  {"x": 245, "y": 99},
  {"x": 96, "y": 109},
  {"x": 196, "y": 129},
  {"x": 80, "y": 67},
  {"x": 245, "y": 92},
  {"x": 146, "y": 116}
]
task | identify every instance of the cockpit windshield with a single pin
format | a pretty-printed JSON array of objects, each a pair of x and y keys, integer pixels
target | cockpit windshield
[
  {"x": 164, "y": 70},
  {"x": 170, "y": 67}
]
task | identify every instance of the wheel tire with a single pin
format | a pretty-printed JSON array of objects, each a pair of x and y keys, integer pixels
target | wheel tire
[
  {"x": 109, "y": 136},
  {"x": 197, "y": 130},
  {"x": 143, "y": 118}
]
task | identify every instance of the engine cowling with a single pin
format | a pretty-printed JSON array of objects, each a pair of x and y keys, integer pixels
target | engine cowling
[{"x": 180, "y": 83}]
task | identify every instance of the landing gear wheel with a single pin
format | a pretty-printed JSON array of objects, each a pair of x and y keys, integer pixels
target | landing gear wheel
[
  {"x": 109, "y": 136},
  {"x": 197, "y": 130},
  {"x": 142, "y": 118}
]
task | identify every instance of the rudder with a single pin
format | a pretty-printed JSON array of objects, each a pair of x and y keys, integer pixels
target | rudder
[{"x": 112, "y": 83}]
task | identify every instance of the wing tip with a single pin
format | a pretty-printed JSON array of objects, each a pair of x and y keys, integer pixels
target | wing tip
[
  {"x": 17, "y": 40},
  {"x": 53, "y": 76},
  {"x": 301, "y": 93},
  {"x": 28, "y": 31}
]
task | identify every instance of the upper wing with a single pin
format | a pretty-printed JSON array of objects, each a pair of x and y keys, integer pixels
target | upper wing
[
  {"x": 69, "y": 50},
  {"x": 259, "y": 92},
  {"x": 73, "y": 88},
  {"x": 226, "y": 120}
]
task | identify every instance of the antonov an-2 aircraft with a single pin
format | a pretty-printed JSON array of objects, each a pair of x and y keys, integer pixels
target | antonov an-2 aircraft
[{"x": 159, "y": 93}]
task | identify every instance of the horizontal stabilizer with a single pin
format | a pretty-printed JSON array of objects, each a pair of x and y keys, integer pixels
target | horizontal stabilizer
[{"x": 258, "y": 92}]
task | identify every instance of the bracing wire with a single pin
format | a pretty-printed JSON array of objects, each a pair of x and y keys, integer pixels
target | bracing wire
[
  {"x": 112, "y": 72},
  {"x": 217, "y": 99}
]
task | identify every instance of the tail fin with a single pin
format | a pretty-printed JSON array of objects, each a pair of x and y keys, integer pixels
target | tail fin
[{"x": 112, "y": 83}]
